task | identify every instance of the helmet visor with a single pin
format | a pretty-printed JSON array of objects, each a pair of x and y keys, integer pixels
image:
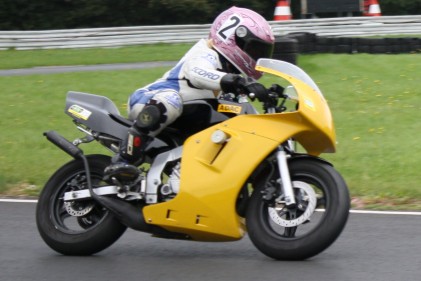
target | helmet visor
[
  {"x": 252, "y": 45},
  {"x": 257, "y": 49}
]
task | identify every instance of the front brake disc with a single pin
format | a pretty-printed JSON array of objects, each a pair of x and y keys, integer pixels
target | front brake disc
[{"x": 279, "y": 216}]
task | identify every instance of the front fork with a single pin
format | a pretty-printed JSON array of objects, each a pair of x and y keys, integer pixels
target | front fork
[{"x": 285, "y": 180}]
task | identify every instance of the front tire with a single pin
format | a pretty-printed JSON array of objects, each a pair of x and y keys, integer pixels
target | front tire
[
  {"x": 309, "y": 228},
  {"x": 80, "y": 227}
]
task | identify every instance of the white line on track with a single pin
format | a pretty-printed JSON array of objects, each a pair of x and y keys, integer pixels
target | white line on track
[
  {"x": 407, "y": 213},
  {"x": 19, "y": 200},
  {"x": 386, "y": 212}
]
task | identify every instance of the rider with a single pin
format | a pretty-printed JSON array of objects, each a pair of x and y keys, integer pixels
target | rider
[{"x": 225, "y": 62}]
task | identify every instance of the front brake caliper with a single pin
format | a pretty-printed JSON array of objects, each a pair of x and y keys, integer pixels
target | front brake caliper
[{"x": 270, "y": 192}]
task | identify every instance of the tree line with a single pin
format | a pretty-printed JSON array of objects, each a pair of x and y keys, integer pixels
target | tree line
[{"x": 68, "y": 14}]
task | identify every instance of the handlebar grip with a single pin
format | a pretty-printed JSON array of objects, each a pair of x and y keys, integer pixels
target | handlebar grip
[{"x": 64, "y": 144}]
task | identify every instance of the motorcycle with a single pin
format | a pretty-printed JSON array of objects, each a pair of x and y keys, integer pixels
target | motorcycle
[{"x": 221, "y": 170}]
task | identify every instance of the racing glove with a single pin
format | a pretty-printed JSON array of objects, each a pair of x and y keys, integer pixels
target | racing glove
[{"x": 236, "y": 84}]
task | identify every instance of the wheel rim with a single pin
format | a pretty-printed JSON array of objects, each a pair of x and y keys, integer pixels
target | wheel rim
[
  {"x": 306, "y": 201},
  {"x": 300, "y": 221},
  {"x": 76, "y": 217}
]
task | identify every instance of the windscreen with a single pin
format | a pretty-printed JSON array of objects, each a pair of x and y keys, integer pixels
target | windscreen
[{"x": 289, "y": 69}]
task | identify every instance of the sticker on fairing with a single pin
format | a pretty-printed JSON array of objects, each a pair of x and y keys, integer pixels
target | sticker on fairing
[
  {"x": 79, "y": 112},
  {"x": 229, "y": 108}
]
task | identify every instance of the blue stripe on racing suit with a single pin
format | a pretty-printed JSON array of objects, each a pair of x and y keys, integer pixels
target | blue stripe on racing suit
[{"x": 171, "y": 82}]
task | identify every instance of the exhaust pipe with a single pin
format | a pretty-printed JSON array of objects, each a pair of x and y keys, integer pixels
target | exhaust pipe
[
  {"x": 127, "y": 213},
  {"x": 131, "y": 216}
]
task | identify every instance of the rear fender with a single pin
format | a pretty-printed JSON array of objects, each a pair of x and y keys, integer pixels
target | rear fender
[{"x": 95, "y": 112}]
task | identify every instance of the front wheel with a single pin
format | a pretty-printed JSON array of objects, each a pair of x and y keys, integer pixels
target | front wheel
[
  {"x": 298, "y": 233},
  {"x": 78, "y": 227}
]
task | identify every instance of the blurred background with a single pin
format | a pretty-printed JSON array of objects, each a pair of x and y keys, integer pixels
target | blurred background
[{"x": 67, "y": 14}]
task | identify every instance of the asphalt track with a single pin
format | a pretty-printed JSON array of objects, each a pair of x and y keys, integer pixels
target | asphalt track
[{"x": 374, "y": 246}]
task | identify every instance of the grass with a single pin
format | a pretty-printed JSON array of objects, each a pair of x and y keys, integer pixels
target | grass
[
  {"x": 376, "y": 103},
  {"x": 11, "y": 59},
  {"x": 374, "y": 99},
  {"x": 35, "y": 104}
]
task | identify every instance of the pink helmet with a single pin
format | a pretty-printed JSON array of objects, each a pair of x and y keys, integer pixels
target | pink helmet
[{"x": 242, "y": 36}]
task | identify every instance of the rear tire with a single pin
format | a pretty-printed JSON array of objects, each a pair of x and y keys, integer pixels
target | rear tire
[
  {"x": 316, "y": 233},
  {"x": 92, "y": 228}
]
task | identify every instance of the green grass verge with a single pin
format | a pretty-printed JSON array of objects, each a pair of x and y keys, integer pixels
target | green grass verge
[
  {"x": 374, "y": 99},
  {"x": 11, "y": 59},
  {"x": 376, "y": 105},
  {"x": 34, "y": 104}
]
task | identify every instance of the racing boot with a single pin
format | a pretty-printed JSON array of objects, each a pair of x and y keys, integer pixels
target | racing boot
[
  {"x": 131, "y": 150},
  {"x": 148, "y": 121}
]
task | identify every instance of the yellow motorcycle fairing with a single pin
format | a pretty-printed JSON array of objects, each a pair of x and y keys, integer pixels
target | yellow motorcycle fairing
[{"x": 212, "y": 174}]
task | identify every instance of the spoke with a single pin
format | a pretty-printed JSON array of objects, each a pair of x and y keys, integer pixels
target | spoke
[
  {"x": 290, "y": 231},
  {"x": 321, "y": 202},
  {"x": 95, "y": 215},
  {"x": 62, "y": 214}
]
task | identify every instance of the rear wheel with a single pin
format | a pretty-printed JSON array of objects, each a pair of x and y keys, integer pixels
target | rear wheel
[
  {"x": 78, "y": 227},
  {"x": 308, "y": 228}
]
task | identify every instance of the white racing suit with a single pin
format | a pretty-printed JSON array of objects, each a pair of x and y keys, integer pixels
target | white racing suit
[{"x": 196, "y": 76}]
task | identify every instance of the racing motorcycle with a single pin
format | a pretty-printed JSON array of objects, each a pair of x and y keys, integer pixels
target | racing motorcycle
[{"x": 221, "y": 170}]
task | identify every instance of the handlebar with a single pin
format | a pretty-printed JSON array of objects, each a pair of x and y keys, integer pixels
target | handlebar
[
  {"x": 269, "y": 97},
  {"x": 270, "y": 101}
]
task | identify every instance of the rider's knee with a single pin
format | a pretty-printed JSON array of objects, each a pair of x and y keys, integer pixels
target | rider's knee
[{"x": 160, "y": 111}]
